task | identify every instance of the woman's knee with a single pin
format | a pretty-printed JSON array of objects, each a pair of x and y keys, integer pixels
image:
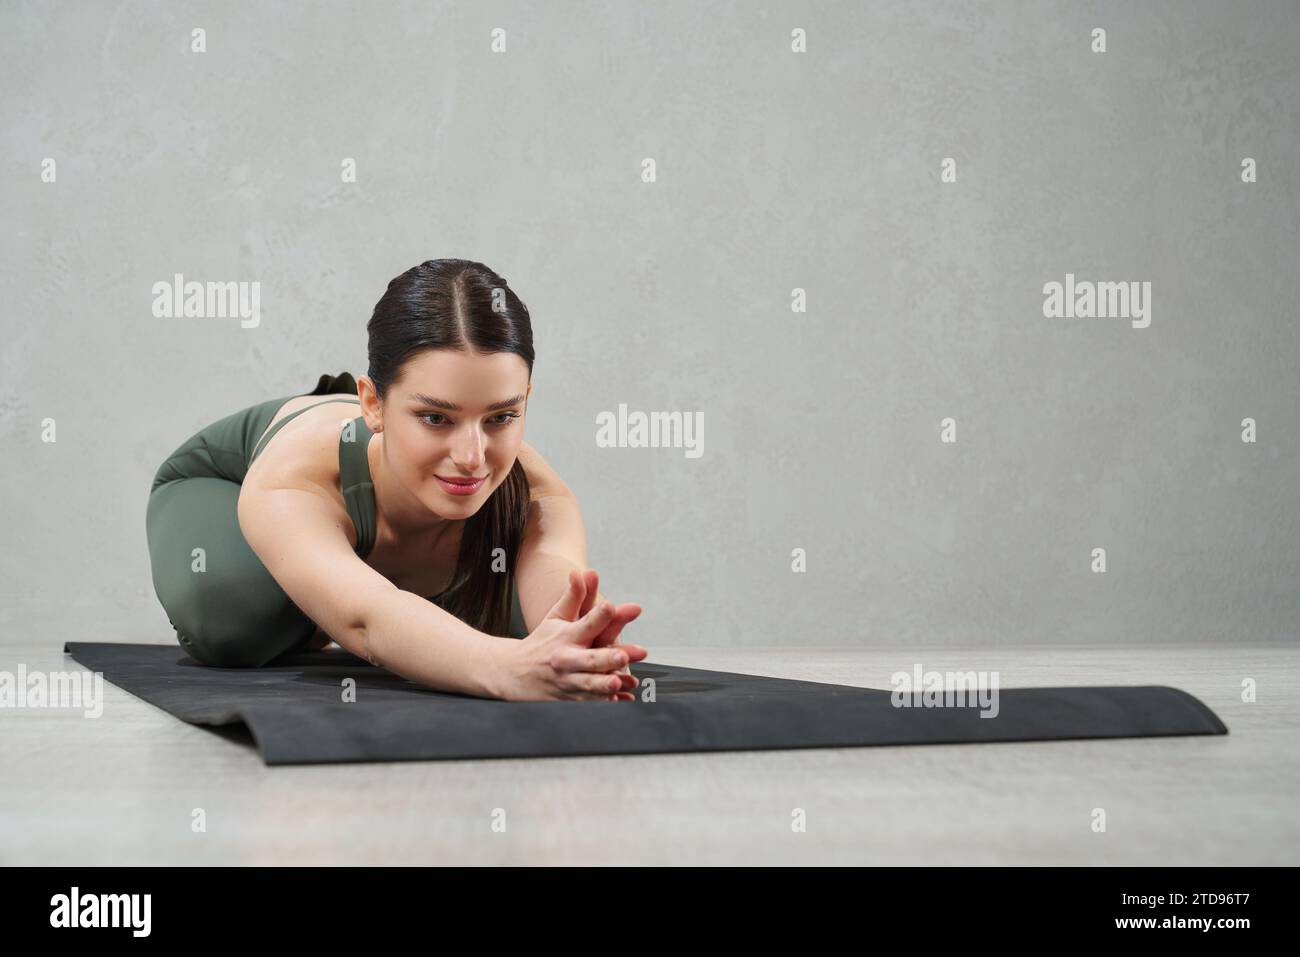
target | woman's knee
[
  {"x": 248, "y": 650},
  {"x": 227, "y": 609},
  {"x": 228, "y": 627}
]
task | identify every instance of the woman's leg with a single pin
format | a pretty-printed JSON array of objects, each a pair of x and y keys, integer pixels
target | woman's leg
[{"x": 227, "y": 609}]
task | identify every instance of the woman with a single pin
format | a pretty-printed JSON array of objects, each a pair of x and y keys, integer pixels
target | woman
[{"x": 415, "y": 528}]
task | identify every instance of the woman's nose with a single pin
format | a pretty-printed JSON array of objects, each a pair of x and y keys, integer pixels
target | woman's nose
[{"x": 469, "y": 450}]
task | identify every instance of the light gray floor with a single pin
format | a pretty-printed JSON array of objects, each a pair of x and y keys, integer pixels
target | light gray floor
[{"x": 121, "y": 789}]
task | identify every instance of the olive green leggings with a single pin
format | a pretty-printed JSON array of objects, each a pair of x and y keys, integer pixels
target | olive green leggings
[{"x": 227, "y": 609}]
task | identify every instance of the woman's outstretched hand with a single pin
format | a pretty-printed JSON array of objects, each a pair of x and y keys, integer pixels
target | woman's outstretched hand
[
  {"x": 572, "y": 654},
  {"x": 610, "y": 634}
]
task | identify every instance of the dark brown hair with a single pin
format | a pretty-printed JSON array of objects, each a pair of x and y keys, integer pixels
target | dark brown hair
[{"x": 462, "y": 305}]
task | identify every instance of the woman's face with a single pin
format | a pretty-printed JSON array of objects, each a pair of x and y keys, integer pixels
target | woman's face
[{"x": 428, "y": 441}]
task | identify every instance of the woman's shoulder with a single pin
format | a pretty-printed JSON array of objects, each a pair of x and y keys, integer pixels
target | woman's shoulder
[
  {"x": 303, "y": 452},
  {"x": 301, "y": 407}
]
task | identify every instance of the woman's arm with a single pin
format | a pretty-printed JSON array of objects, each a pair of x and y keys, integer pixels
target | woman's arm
[
  {"x": 298, "y": 534},
  {"x": 554, "y": 539},
  {"x": 554, "y": 544},
  {"x": 542, "y": 479}
]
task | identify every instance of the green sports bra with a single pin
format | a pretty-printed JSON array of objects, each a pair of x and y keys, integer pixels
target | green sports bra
[{"x": 354, "y": 473}]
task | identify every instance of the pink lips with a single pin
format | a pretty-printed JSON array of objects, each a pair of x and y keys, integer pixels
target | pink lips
[{"x": 461, "y": 486}]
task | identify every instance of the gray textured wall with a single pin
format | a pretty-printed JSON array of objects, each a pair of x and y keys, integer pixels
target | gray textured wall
[{"x": 776, "y": 170}]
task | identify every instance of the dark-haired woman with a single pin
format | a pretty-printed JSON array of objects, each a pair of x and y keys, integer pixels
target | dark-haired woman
[{"x": 400, "y": 515}]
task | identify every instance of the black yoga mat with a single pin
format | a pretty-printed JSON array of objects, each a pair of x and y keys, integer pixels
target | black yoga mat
[{"x": 294, "y": 711}]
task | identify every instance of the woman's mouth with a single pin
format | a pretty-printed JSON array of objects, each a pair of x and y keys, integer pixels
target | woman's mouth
[{"x": 461, "y": 486}]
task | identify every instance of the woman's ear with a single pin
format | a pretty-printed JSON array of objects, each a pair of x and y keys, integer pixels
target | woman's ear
[{"x": 371, "y": 407}]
